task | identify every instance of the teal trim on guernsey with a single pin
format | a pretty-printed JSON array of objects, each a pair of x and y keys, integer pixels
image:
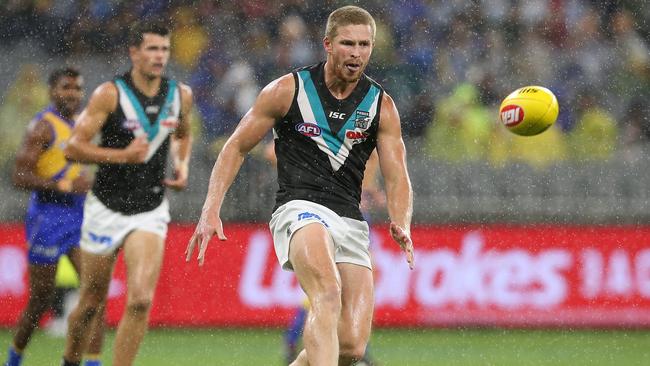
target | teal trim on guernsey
[
  {"x": 145, "y": 122},
  {"x": 334, "y": 142}
]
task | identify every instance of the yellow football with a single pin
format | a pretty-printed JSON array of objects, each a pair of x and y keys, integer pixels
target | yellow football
[{"x": 529, "y": 111}]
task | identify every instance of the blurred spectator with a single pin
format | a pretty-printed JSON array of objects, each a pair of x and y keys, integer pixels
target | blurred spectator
[
  {"x": 590, "y": 50},
  {"x": 210, "y": 70},
  {"x": 636, "y": 130},
  {"x": 630, "y": 78},
  {"x": 189, "y": 38},
  {"x": 27, "y": 95},
  {"x": 539, "y": 151},
  {"x": 293, "y": 47},
  {"x": 461, "y": 127},
  {"x": 595, "y": 135}
]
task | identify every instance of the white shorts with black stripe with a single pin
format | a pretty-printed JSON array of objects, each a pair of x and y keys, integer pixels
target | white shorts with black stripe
[{"x": 350, "y": 237}]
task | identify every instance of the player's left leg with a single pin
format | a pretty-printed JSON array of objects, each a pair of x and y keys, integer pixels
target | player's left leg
[
  {"x": 94, "y": 348},
  {"x": 143, "y": 255},
  {"x": 356, "y": 314},
  {"x": 41, "y": 292}
]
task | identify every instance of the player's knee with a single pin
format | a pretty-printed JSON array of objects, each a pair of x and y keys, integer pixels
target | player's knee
[
  {"x": 92, "y": 299},
  {"x": 351, "y": 350},
  {"x": 39, "y": 303},
  {"x": 139, "y": 307},
  {"x": 87, "y": 310},
  {"x": 328, "y": 299}
]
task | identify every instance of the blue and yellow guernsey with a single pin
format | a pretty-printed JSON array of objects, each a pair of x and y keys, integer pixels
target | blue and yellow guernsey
[
  {"x": 323, "y": 143},
  {"x": 53, "y": 219},
  {"x": 52, "y": 164}
]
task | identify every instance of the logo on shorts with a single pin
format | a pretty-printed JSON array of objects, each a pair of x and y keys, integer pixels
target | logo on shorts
[
  {"x": 309, "y": 215},
  {"x": 100, "y": 239}
]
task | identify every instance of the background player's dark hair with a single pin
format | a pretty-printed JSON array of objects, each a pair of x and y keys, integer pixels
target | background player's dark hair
[
  {"x": 59, "y": 73},
  {"x": 139, "y": 29}
]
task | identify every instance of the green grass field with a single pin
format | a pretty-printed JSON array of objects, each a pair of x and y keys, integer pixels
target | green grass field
[{"x": 390, "y": 347}]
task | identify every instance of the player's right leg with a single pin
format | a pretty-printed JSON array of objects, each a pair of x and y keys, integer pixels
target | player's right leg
[
  {"x": 41, "y": 292},
  {"x": 311, "y": 254},
  {"x": 95, "y": 278}
]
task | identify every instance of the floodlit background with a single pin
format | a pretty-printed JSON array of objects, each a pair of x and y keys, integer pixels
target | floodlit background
[{"x": 447, "y": 64}]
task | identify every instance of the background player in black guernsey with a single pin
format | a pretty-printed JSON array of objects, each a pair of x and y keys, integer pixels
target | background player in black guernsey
[
  {"x": 326, "y": 120},
  {"x": 142, "y": 116}
]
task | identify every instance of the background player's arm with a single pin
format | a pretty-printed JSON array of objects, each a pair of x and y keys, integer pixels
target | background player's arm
[
  {"x": 81, "y": 148},
  {"x": 181, "y": 142},
  {"x": 372, "y": 194},
  {"x": 392, "y": 161},
  {"x": 272, "y": 103},
  {"x": 36, "y": 140}
]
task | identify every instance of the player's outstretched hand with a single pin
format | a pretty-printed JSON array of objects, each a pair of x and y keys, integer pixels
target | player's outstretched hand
[
  {"x": 404, "y": 240},
  {"x": 209, "y": 224}
]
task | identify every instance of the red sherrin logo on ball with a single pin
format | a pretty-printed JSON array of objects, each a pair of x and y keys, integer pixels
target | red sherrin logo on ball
[{"x": 512, "y": 115}]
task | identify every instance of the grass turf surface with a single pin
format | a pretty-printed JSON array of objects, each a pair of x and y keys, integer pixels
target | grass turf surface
[{"x": 413, "y": 347}]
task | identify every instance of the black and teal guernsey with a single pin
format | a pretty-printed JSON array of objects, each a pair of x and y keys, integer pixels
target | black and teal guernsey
[
  {"x": 136, "y": 188},
  {"x": 323, "y": 143}
]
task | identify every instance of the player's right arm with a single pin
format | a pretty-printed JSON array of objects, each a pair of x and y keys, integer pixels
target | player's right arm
[
  {"x": 36, "y": 139},
  {"x": 272, "y": 103},
  {"x": 80, "y": 147}
]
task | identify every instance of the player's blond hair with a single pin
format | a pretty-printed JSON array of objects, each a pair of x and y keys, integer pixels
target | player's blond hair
[{"x": 348, "y": 15}]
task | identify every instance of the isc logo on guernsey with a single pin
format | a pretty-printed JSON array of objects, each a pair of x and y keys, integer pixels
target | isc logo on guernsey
[{"x": 308, "y": 129}]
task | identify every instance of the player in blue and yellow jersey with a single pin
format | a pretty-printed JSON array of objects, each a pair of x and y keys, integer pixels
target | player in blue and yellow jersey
[
  {"x": 54, "y": 215},
  {"x": 142, "y": 118},
  {"x": 326, "y": 121}
]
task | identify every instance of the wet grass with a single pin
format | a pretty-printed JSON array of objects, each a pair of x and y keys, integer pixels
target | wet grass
[{"x": 402, "y": 347}]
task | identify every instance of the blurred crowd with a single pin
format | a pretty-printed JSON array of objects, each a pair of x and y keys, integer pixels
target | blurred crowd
[{"x": 447, "y": 64}]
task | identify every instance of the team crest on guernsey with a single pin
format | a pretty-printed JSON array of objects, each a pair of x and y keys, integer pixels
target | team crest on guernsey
[{"x": 362, "y": 120}]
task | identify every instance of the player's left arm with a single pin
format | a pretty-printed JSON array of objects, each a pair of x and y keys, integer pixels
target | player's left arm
[
  {"x": 181, "y": 142},
  {"x": 392, "y": 162}
]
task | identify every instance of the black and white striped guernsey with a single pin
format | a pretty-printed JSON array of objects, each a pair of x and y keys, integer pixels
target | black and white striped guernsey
[
  {"x": 136, "y": 188},
  {"x": 323, "y": 143}
]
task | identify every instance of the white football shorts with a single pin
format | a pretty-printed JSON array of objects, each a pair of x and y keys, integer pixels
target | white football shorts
[
  {"x": 104, "y": 230},
  {"x": 350, "y": 237}
]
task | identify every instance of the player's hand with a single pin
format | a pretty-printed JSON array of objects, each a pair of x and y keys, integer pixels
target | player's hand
[
  {"x": 64, "y": 185},
  {"x": 209, "y": 225},
  {"x": 137, "y": 150},
  {"x": 81, "y": 184},
  {"x": 179, "y": 182},
  {"x": 404, "y": 240}
]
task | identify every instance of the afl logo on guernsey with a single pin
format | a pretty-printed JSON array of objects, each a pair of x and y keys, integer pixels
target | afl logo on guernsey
[
  {"x": 131, "y": 124},
  {"x": 308, "y": 129}
]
